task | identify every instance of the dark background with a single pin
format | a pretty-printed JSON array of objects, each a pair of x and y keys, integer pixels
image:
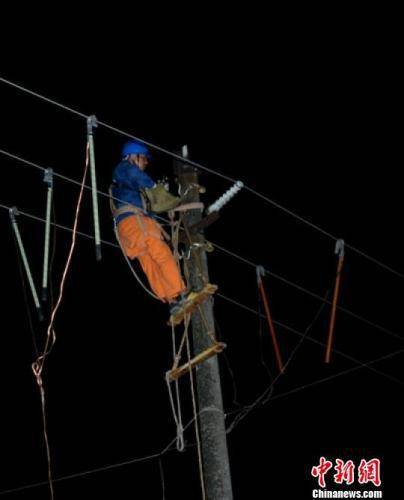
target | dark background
[{"x": 314, "y": 125}]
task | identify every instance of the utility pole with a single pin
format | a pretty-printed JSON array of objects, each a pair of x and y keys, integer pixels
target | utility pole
[{"x": 215, "y": 456}]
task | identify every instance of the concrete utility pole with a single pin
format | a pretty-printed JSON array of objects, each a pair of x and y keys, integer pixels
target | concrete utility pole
[{"x": 216, "y": 466}]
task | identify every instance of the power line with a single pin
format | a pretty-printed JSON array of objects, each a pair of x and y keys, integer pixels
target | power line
[
  {"x": 109, "y": 467},
  {"x": 326, "y": 233},
  {"x": 219, "y": 247},
  {"x": 81, "y": 474},
  {"x": 42, "y": 97},
  {"x": 339, "y": 374},
  {"x": 308, "y": 292},
  {"x": 211, "y": 171},
  {"x": 325, "y": 379},
  {"x": 65, "y": 178},
  {"x": 60, "y": 176},
  {"x": 170, "y": 445},
  {"x": 266, "y": 395},
  {"x": 243, "y": 306},
  {"x": 106, "y": 242},
  {"x": 297, "y": 332},
  {"x": 275, "y": 397},
  {"x": 118, "y": 131}
]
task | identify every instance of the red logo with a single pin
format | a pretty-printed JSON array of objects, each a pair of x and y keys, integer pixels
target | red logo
[
  {"x": 345, "y": 472},
  {"x": 321, "y": 470},
  {"x": 368, "y": 471}
]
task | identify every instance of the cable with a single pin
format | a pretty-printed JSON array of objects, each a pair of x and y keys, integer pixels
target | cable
[
  {"x": 38, "y": 365},
  {"x": 43, "y": 98},
  {"x": 118, "y": 131},
  {"x": 326, "y": 379},
  {"x": 63, "y": 177},
  {"x": 211, "y": 171},
  {"x": 266, "y": 395},
  {"x": 165, "y": 450},
  {"x": 163, "y": 489},
  {"x": 228, "y": 366},
  {"x": 170, "y": 445},
  {"x": 243, "y": 306}
]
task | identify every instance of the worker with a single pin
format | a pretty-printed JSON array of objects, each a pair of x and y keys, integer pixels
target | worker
[{"x": 139, "y": 233}]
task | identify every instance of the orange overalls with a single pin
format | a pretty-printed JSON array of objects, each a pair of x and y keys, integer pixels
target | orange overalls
[{"x": 141, "y": 237}]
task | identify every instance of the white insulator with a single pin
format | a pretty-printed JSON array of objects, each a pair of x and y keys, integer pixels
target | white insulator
[{"x": 225, "y": 198}]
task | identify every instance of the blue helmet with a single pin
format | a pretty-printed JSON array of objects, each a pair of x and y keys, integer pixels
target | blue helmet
[{"x": 135, "y": 148}]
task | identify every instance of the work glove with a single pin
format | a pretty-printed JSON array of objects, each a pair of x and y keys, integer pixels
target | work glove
[{"x": 160, "y": 199}]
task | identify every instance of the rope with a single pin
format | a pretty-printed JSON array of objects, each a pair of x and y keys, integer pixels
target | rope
[
  {"x": 174, "y": 238},
  {"x": 176, "y": 411},
  {"x": 206, "y": 324},
  {"x": 175, "y": 230},
  {"x": 191, "y": 377},
  {"x": 163, "y": 489},
  {"x": 38, "y": 365}
]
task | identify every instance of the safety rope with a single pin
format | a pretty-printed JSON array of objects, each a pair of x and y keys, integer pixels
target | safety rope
[
  {"x": 118, "y": 211},
  {"x": 198, "y": 441},
  {"x": 130, "y": 265},
  {"x": 175, "y": 228},
  {"x": 176, "y": 411},
  {"x": 38, "y": 365}
]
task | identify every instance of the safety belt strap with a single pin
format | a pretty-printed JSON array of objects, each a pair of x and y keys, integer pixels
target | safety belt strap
[{"x": 187, "y": 206}]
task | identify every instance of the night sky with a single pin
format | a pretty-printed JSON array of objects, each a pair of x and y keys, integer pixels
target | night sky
[{"x": 314, "y": 130}]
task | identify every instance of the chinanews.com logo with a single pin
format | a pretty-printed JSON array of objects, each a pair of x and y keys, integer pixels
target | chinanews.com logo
[{"x": 347, "y": 473}]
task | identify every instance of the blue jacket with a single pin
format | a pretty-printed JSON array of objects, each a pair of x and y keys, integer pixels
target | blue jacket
[{"x": 127, "y": 181}]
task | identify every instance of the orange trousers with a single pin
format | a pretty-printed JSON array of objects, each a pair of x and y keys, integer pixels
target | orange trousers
[{"x": 141, "y": 237}]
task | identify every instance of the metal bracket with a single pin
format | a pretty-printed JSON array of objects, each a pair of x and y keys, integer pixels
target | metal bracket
[
  {"x": 260, "y": 272},
  {"x": 206, "y": 246},
  {"x": 13, "y": 211},
  {"x": 91, "y": 123},
  {"x": 48, "y": 177},
  {"x": 205, "y": 222},
  {"x": 340, "y": 248}
]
